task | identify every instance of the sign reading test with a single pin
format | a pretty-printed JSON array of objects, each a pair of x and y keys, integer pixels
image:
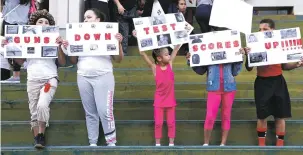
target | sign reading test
[
  {"x": 161, "y": 31},
  {"x": 92, "y": 39},
  {"x": 215, "y": 48},
  {"x": 274, "y": 47},
  {"x": 31, "y": 41}
]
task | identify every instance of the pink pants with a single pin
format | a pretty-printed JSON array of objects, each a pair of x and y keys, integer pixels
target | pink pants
[
  {"x": 170, "y": 119},
  {"x": 213, "y": 103}
]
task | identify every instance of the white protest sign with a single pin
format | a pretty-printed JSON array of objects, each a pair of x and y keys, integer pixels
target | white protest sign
[
  {"x": 215, "y": 48},
  {"x": 274, "y": 47},
  {"x": 157, "y": 9},
  {"x": 232, "y": 14},
  {"x": 92, "y": 39},
  {"x": 31, "y": 41}
]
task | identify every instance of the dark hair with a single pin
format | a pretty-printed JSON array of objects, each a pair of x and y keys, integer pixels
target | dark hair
[
  {"x": 156, "y": 53},
  {"x": 41, "y": 14},
  {"x": 270, "y": 22},
  {"x": 99, "y": 14}
]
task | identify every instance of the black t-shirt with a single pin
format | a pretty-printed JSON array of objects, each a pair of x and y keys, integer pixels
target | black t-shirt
[{"x": 128, "y": 4}]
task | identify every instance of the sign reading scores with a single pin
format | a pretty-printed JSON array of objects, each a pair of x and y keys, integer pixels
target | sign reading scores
[
  {"x": 92, "y": 39},
  {"x": 31, "y": 41},
  {"x": 274, "y": 47},
  {"x": 215, "y": 48}
]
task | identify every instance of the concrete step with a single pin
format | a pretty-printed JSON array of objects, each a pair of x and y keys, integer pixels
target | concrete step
[
  {"x": 71, "y": 92},
  {"x": 181, "y": 75},
  {"x": 151, "y": 150},
  {"x": 141, "y": 133},
  {"x": 187, "y": 109}
]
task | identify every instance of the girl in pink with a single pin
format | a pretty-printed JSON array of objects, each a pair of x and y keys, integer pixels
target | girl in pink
[{"x": 164, "y": 99}]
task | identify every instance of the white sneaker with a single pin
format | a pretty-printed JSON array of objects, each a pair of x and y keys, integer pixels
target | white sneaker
[
  {"x": 158, "y": 144},
  {"x": 171, "y": 145},
  {"x": 93, "y": 145},
  {"x": 205, "y": 144},
  {"x": 222, "y": 145},
  {"x": 111, "y": 144}
]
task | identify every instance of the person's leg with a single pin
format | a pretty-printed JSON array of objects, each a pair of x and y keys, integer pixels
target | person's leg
[
  {"x": 158, "y": 117},
  {"x": 282, "y": 109},
  {"x": 33, "y": 92},
  {"x": 171, "y": 124},
  {"x": 91, "y": 115},
  {"x": 263, "y": 93},
  {"x": 104, "y": 87},
  {"x": 213, "y": 104},
  {"x": 5, "y": 74},
  {"x": 227, "y": 102},
  {"x": 124, "y": 30},
  {"x": 202, "y": 17},
  {"x": 47, "y": 93}
]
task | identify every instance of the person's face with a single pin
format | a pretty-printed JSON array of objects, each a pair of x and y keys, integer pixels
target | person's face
[
  {"x": 264, "y": 27},
  {"x": 164, "y": 56},
  {"x": 90, "y": 16},
  {"x": 182, "y": 5},
  {"x": 42, "y": 22}
]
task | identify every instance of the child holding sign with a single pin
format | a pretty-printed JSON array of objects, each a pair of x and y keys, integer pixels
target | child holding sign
[
  {"x": 164, "y": 99},
  {"x": 42, "y": 81},
  {"x": 221, "y": 86}
]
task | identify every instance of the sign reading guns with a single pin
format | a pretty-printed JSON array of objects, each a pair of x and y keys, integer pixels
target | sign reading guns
[
  {"x": 274, "y": 47},
  {"x": 161, "y": 31},
  {"x": 92, "y": 39},
  {"x": 215, "y": 48},
  {"x": 31, "y": 41}
]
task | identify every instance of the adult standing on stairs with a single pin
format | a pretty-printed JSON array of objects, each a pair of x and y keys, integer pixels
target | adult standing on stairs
[
  {"x": 96, "y": 85},
  {"x": 42, "y": 81},
  {"x": 271, "y": 93}
]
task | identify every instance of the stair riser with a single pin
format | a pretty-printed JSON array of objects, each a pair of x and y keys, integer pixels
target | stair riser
[
  {"x": 72, "y": 93},
  {"x": 137, "y": 111},
  {"x": 157, "y": 152},
  {"x": 142, "y": 133}
]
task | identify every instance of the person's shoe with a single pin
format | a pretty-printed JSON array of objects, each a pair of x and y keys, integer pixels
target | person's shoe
[
  {"x": 280, "y": 142},
  {"x": 94, "y": 145},
  {"x": 36, "y": 140},
  {"x": 222, "y": 145},
  {"x": 171, "y": 144},
  {"x": 111, "y": 144},
  {"x": 261, "y": 141},
  {"x": 12, "y": 80},
  {"x": 158, "y": 144},
  {"x": 41, "y": 141},
  {"x": 205, "y": 144}
]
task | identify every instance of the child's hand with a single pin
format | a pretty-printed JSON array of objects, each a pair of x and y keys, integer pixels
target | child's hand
[
  {"x": 247, "y": 50},
  {"x": 119, "y": 37},
  {"x": 134, "y": 33},
  {"x": 300, "y": 63},
  {"x": 188, "y": 56},
  {"x": 3, "y": 42},
  {"x": 65, "y": 43},
  {"x": 59, "y": 40}
]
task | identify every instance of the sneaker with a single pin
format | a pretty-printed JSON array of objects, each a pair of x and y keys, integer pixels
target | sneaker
[
  {"x": 171, "y": 144},
  {"x": 280, "y": 142},
  {"x": 205, "y": 144},
  {"x": 93, "y": 145},
  {"x": 222, "y": 145},
  {"x": 41, "y": 141},
  {"x": 158, "y": 144},
  {"x": 35, "y": 140},
  {"x": 111, "y": 144},
  {"x": 12, "y": 80},
  {"x": 262, "y": 141}
]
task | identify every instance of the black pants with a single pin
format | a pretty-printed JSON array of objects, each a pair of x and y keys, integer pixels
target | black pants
[
  {"x": 102, "y": 6},
  {"x": 272, "y": 97},
  {"x": 5, "y": 74},
  {"x": 16, "y": 67}
]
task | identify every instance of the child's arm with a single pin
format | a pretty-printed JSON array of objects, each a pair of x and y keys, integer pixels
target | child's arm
[
  {"x": 291, "y": 66},
  {"x": 149, "y": 62},
  {"x": 174, "y": 53},
  {"x": 247, "y": 50},
  {"x": 237, "y": 66}
]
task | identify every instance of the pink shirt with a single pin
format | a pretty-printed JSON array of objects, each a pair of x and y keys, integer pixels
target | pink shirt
[{"x": 165, "y": 87}]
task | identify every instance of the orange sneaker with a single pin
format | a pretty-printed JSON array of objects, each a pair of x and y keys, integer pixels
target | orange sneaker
[
  {"x": 280, "y": 142},
  {"x": 261, "y": 141}
]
